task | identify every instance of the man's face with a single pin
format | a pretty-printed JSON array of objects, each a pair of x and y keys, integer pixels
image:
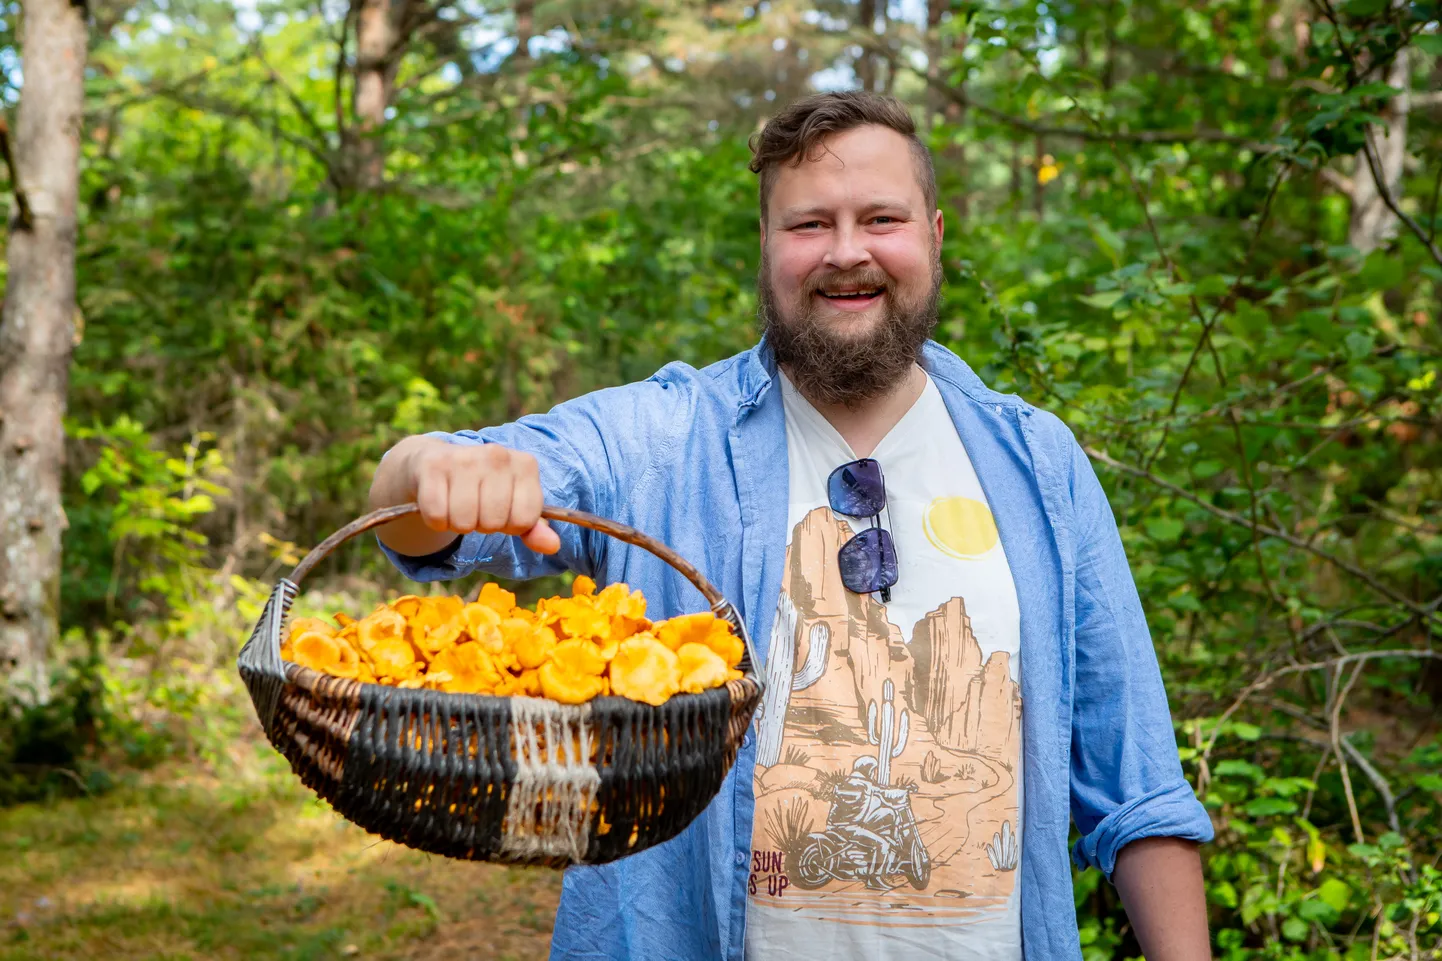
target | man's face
[{"x": 849, "y": 267}]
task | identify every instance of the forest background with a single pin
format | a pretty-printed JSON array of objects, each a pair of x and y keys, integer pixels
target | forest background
[{"x": 1203, "y": 233}]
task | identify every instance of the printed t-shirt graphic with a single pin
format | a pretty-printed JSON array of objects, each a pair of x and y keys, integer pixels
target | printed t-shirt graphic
[{"x": 888, "y": 775}]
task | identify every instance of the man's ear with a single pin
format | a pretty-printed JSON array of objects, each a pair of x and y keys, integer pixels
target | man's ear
[
  {"x": 761, "y": 222},
  {"x": 940, "y": 227}
]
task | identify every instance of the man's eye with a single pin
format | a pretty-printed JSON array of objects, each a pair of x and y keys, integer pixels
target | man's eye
[
  {"x": 884, "y": 220},
  {"x": 808, "y": 224}
]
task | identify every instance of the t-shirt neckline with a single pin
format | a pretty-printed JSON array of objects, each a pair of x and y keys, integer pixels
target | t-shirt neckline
[{"x": 797, "y": 402}]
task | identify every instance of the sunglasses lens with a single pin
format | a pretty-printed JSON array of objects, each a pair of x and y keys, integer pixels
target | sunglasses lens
[
  {"x": 856, "y": 489},
  {"x": 868, "y": 561}
]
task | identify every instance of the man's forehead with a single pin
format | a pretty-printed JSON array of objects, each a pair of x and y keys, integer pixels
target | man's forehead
[{"x": 867, "y": 167}]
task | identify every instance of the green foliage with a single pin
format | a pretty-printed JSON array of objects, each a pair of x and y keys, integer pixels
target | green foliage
[{"x": 1147, "y": 232}]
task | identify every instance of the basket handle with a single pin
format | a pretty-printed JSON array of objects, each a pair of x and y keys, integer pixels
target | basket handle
[{"x": 719, "y": 604}]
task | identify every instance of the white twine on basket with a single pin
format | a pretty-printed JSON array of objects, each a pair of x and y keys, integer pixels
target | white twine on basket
[{"x": 548, "y": 812}]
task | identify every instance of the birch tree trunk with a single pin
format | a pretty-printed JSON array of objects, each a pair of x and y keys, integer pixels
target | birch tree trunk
[
  {"x": 36, "y": 337},
  {"x": 378, "y": 29},
  {"x": 1373, "y": 225}
]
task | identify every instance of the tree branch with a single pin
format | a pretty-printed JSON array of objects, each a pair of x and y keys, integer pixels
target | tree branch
[
  {"x": 1421, "y": 610},
  {"x": 1335, "y": 728},
  {"x": 1200, "y": 135},
  {"x": 199, "y": 101},
  {"x": 301, "y": 108},
  {"x": 1341, "y": 181},
  {"x": 351, "y": 10},
  {"x": 23, "y": 216},
  {"x": 1267, "y": 679},
  {"x": 1369, "y": 150}
]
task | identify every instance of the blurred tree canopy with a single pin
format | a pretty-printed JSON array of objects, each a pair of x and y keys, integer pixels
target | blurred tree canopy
[{"x": 1204, "y": 232}]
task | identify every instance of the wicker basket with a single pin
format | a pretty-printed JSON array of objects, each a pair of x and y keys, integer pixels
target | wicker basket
[{"x": 518, "y": 780}]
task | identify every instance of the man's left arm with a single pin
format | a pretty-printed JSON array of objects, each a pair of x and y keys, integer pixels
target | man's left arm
[
  {"x": 1160, "y": 881},
  {"x": 1139, "y": 818}
]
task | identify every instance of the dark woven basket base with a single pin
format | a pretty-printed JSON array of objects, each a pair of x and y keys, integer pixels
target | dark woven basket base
[{"x": 448, "y": 773}]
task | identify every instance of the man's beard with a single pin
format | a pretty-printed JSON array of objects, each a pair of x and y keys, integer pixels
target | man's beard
[{"x": 839, "y": 368}]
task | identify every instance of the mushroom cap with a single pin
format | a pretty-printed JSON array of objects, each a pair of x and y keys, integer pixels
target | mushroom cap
[
  {"x": 645, "y": 670},
  {"x": 469, "y": 669},
  {"x": 563, "y": 686},
  {"x": 304, "y": 625},
  {"x": 701, "y": 668},
  {"x": 579, "y": 657},
  {"x": 496, "y": 598}
]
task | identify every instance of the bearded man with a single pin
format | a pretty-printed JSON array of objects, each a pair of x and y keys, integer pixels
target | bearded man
[{"x": 932, "y": 572}]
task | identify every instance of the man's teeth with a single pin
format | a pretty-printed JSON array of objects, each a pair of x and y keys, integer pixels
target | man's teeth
[{"x": 851, "y": 294}]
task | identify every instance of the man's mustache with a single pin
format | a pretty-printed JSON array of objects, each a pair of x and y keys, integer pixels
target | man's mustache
[{"x": 864, "y": 279}]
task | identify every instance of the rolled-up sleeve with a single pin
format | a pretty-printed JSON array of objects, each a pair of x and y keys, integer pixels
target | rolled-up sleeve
[
  {"x": 1126, "y": 777},
  {"x": 587, "y": 449}
]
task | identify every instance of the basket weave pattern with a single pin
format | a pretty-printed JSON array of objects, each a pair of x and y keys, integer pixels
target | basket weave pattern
[{"x": 518, "y": 780}]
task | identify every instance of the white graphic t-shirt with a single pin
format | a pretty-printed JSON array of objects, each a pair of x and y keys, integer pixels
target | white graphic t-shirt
[{"x": 888, "y": 773}]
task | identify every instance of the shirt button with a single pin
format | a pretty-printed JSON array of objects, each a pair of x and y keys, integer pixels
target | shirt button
[
  {"x": 740, "y": 858},
  {"x": 747, "y": 738},
  {"x": 997, "y": 408}
]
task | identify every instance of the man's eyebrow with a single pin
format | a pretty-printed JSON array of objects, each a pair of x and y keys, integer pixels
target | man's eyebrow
[{"x": 791, "y": 213}]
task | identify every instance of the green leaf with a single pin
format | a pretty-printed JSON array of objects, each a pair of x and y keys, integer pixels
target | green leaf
[
  {"x": 1335, "y": 893},
  {"x": 1374, "y": 90},
  {"x": 1232, "y": 767},
  {"x": 1429, "y": 782},
  {"x": 1103, "y": 300},
  {"x": 1295, "y": 929},
  {"x": 1359, "y": 344},
  {"x": 1213, "y": 285},
  {"x": 1247, "y": 732},
  {"x": 1268, "y": 806},
  {"x": 1430, "y": 43},
  {"x": 1319, "y": 911},
  {"x": 1164, "y": 529},
  {"x": 1225, "y": 894},
  {"x": 1382, "y": 271},
  {"x": 1108, "y": 241}
]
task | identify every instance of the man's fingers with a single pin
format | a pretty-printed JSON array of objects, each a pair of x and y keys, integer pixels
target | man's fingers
[
  {"x": 494, "y": 509},
  {"x": 464, "y": 500},
  {"x": 542, "y": 538},
  {"x": 433, "y": 498},
  {"x": 526, "y": 499}
]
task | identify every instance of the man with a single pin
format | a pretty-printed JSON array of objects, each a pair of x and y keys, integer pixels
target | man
[{"x": 932, "y": 573}]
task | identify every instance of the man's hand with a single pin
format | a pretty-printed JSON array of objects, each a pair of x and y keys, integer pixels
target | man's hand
[
  {"x": 1160, "y": 881},
  {"x": 460, "y": 489}
]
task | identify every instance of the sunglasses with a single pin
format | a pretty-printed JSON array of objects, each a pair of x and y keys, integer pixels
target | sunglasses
[{"x": 868, "y": 560}]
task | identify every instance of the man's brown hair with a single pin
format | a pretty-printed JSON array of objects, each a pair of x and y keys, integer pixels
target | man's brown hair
[{"x": 795, "y": 133}]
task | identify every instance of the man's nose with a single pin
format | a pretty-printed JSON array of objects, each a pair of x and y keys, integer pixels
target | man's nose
[{"x": 848, "y": 249}]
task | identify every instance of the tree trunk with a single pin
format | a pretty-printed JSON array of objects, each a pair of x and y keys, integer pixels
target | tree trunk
[
  {"x": 1373, "y": 224},
  {"x": 866, "y": 66},
  {"x": 36, "y": 338},
  {"x": 953, "y": 154},
  {"x": 525, "y": 27},
  {"x": 377, "y": 40}
]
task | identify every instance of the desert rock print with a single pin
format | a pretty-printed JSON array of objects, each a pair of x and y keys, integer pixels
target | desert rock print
[{"x": 885, "y": 780}]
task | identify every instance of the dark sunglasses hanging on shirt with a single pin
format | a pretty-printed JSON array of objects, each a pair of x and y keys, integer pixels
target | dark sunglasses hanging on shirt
[{"x": 868, "y": 560}]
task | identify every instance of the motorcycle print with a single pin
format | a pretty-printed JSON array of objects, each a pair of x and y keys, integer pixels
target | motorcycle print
[{"x": 870, "y": 836}]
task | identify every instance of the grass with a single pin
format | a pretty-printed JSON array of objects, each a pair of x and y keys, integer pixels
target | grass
[{"x": 184, "y": 862}]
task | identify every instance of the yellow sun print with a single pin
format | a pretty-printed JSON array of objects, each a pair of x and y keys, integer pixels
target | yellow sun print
[{"x": 960, "y": 527}]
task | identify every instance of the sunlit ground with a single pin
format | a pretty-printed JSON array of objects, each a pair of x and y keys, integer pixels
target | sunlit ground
[{"x": 180, "y": 863}]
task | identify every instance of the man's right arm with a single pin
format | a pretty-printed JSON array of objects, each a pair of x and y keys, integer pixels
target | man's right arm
[{"x": 486, "y": 488}]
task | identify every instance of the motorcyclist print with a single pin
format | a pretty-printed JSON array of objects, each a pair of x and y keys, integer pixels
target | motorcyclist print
[{"x": 870, "y": 835}]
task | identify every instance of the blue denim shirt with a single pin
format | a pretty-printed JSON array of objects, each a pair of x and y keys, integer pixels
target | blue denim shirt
[{"x": 698, "y": 459}]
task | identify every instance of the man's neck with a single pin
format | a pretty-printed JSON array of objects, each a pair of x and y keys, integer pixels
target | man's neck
[{"x": 863, "y": 427}]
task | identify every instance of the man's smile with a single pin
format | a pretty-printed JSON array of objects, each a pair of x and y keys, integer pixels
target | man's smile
[{"x": 852, "y": 298}]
